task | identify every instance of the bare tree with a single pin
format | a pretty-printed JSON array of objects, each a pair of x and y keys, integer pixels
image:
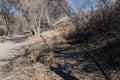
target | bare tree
[
  {"x": 34, "y": 12},
  {"x": 7, "y": 15}
]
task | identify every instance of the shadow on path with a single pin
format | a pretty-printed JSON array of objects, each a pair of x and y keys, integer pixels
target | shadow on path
[{"x": 60, "y": 70}]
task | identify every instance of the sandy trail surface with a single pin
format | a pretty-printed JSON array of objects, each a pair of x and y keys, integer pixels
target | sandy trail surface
[{"x": 9, "y": 45}]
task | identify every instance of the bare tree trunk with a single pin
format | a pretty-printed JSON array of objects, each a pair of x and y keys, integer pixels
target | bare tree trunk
[
  {"x": 29, "y": 23},
  {"x": 47, "y": 16},
  {"x": 39, "y": 26},
  {"x": 6, "y": 18}
]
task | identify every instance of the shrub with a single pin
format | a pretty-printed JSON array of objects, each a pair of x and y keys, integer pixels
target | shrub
[
  {"x": 110, "y": 53},
  {"x": 2, "y": 32},
  {"x": 102, "y": 24}
]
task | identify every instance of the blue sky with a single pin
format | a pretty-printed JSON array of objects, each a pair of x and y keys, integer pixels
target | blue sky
[
  {"x": 86, "y": 8},
  {"x": 74, "y": 5},
  {"x": 13, "y": 10}
]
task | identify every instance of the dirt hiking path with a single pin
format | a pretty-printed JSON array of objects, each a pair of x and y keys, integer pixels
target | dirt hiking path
[{"x": 9, "y": 45}]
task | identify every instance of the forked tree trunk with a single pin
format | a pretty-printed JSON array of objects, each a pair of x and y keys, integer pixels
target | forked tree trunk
[
  {"x": 47, "y": 16},
  {"x": 41, "y": 14}
]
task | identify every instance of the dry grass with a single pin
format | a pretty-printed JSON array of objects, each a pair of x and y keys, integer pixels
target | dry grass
[
  {"x": 34, "y": 71},
  {"x": 24, "y": 65},
  {"x": 35, "y": 38}
]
